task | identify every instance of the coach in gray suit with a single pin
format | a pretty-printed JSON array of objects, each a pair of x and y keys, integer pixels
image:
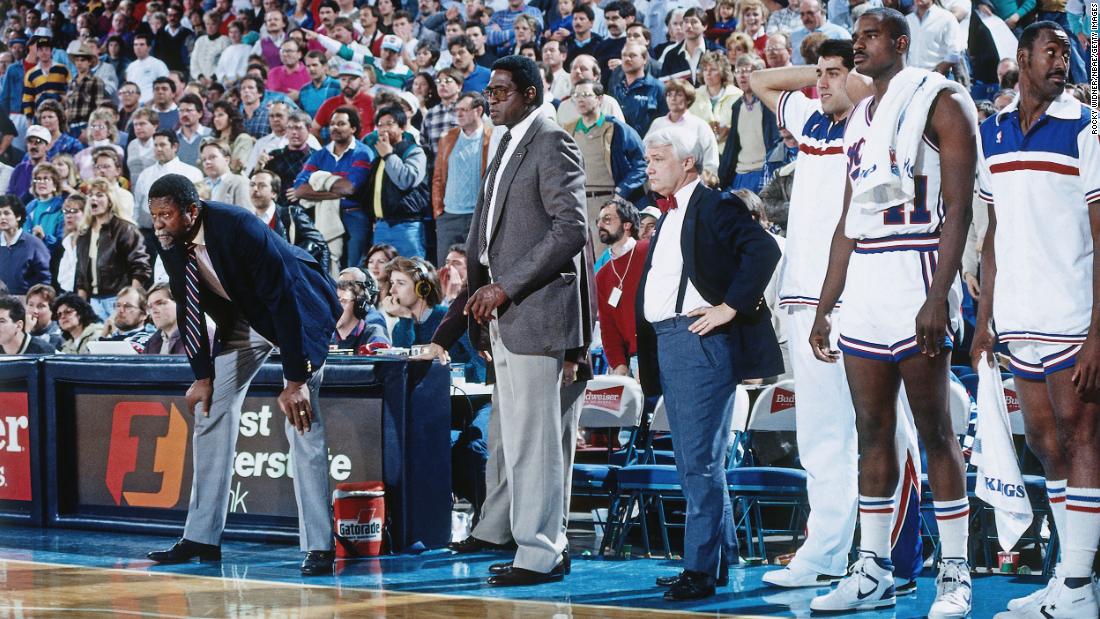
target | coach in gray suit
[{"x": 526, "y": 245}]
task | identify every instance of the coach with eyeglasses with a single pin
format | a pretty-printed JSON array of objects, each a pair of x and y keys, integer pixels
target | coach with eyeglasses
[{"x": 525, "y": 265}]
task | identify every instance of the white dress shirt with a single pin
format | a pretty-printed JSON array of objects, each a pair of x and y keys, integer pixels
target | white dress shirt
[
  {"x": 518, "y": 133},
  {"x": 663, "y": 282},
  {"x": 935, "y": 38},
  {"x": 206, "y": 267}
]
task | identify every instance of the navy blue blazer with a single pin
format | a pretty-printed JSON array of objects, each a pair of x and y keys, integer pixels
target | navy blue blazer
[
  {"x": 729, "y": 258},
  {"x": 280, "y": 290}
]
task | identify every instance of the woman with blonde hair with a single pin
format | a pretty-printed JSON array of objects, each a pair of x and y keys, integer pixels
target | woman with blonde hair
[
  {"x": 66, "y": 169},
  {"x": 715, "y": 98},
  {"x": 752, "y": 17},
  {"x": 110, "y": 251},
  {"x": 101, "y": 132},
  {"x": 738, "y": 44}
]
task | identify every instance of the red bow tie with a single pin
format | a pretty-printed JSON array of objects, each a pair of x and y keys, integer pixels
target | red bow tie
[{"x": 667, "y": 204}]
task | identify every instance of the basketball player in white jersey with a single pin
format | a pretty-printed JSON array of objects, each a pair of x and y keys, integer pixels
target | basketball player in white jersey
[
  {"x": 1040, "y": 173},
  {"x": 826, "y": 419},
  {"x": 898, "y": 271}
]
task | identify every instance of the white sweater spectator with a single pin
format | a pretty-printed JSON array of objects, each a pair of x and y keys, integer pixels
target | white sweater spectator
[{"x": 205, "y": 55}]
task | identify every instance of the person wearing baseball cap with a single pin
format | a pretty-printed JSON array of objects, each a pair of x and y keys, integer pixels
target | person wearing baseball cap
[
  {"x": 351, "y": 93},
  {"x": 46, "y": 79},
  {"x": 648, "y": 221},
  {"x": 391, "y": 70},
  {"x": 38, "y": 144},
  {"x": 86, "y": 91}
]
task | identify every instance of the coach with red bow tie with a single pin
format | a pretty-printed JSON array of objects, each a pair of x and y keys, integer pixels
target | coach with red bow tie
[{"x": 703, "y": 327}]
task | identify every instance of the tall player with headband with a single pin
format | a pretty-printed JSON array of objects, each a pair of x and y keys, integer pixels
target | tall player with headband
[{"x": 897, "y": 267}]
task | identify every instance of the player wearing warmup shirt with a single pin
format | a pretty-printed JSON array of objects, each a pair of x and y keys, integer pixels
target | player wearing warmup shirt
[
  {"x": 1039, "y": 170},
  {"x": 826, "y": 421},
  {"x": 898, "y": 270}
]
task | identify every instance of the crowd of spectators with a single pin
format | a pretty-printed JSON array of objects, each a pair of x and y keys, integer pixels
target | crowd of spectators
[{"x": 359, "y": 132}]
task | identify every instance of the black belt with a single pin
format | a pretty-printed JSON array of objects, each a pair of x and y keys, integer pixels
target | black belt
[{"x": 598, "y": 194}]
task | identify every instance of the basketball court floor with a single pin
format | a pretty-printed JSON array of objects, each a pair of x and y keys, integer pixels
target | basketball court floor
[{"x": 55, "y": 573}]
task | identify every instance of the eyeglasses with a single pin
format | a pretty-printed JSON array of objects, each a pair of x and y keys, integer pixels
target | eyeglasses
[
  {"x": 71, "y": 211},
  {"x": 125, "y": 306},
  {"x": 498, "y": 93},
  {"x": 127, "y": 92},
  {"x": 43, "y": 180},
  {"x": 446, "y": 80},
  {"x": 65, "y": 313},
  {"x": 585, "y": 95},
  {"x": 459, "y": 108}
]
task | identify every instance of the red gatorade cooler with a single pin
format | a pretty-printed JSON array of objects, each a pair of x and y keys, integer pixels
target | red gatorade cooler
[{"x": 359, "y": 509}]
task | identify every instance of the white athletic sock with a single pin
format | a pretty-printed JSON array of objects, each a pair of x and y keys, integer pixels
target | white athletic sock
[
  {"x": 875, "y": 516},
  {"x": 1082, "y": 531},
  {"x": 1056, "y": 498},
  {"x": 953, "y": 520}
]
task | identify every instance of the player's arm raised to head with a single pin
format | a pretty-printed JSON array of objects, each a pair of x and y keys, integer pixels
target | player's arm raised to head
[
  {"x": 858, "y": 86},
  {"x": 770, "y": 84},
  {"x": 953, "y": 126}
]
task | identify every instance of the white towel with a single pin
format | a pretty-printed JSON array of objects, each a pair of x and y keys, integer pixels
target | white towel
[
  {"x": 999, "y": 482},
  {"x": 326, "y": 213},
  {"x": 898, "y": 126}
]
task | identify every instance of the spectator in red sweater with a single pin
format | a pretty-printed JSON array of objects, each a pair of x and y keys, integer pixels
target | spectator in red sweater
[{"x": 617, "y": 284}]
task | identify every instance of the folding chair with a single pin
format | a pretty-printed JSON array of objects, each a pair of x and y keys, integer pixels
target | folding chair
[
  {"x": 611, "y": 402},
  {"x": 646, "y": 485},
  {"x": 754, "y": 487}
]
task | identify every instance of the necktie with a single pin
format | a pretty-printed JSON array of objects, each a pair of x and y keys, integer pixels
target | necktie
[
  {"x": 493, "y": 168},
  {"x": 667, "y": 204},
  {"x": 195, "y": 340}
]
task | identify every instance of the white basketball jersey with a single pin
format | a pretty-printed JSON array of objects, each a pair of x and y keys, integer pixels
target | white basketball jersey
[{"x": 923, "y": 215}]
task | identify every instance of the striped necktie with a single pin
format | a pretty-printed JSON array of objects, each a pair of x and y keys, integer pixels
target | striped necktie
[
  {"x": 195, "y": 340},
  {"x": 489, "y": 189}
]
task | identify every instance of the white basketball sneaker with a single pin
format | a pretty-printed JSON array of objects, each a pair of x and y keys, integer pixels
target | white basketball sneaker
[
  {"x": 868, "y": 585},
  {"x": 1032, "y": 598},
  {"x": 795, "y": 577},
  {"x": 1060, "y": 602},
  {"x": 953, "y": 591}
]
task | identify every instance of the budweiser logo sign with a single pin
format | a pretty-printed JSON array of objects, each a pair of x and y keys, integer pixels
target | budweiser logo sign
[
  {"x": 610, "y": 399},
  {"x": 782, "y": 400},
  {"x": 1012, "y": 401}
]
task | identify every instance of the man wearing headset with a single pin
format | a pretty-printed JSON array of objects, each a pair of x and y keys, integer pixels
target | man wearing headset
[{"x": 353, "y": 330}]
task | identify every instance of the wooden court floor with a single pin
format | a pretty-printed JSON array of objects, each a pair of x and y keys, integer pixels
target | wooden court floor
[{"x": 34, "y": 589}]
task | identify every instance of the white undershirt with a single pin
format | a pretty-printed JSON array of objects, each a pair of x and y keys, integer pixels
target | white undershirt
[{"x": 663, "y": 281}]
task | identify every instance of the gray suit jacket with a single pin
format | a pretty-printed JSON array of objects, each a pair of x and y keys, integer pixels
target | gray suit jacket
[
  {"x": 232, "y": 190},
  {"x": 536, "y": 248}
]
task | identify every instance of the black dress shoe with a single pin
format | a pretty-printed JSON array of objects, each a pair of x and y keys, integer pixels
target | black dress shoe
[
  {"x": 691, "y": 586},
  {"x": 185, "y": 550},
  {"x": 722, "y": 581},
  {"x": 473, "y": 544},
  {"x": 518, "y": 577},
  {"x": 318, "y": 563},
  {"x": 566, "y": 565}
]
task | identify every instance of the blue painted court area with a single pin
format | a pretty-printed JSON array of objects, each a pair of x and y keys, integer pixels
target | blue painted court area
[{"x": 626, "y": 583}]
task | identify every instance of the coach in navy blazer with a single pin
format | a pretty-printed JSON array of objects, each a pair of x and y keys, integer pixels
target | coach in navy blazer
[
  {"x": 279, "y": 289},
  {"x": 702, "y": 328},
  {"x": 729, "y": 258},
  {"x": 261, "y": 292}
]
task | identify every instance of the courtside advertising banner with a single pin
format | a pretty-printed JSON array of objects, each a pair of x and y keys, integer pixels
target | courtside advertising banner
[
  {"x": 135, "y": 451},
  {"x": 15, "y": 447}
]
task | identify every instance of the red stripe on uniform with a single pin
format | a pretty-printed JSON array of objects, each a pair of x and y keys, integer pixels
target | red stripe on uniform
[
  {"x": 1082, "y": 508},
  {"x": 888, "y": 510},
  {"x": 1041, "y": 166},
  {"x": 953, "y": 516},
  {"x": 813, "y": 150}
]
